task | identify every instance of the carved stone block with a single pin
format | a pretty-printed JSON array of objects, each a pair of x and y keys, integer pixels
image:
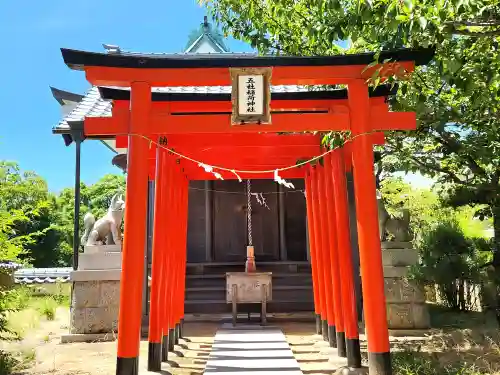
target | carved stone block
[
  {"x": 95, "y": 306},
  {"x": 402, "y": 290},
  {"x": 85, "y": 294},
  {"x": 109, "y": 293},
  {"x": 77, "y": 320},
  {"x": 390, "y": 271},
  {"x": 96, "y": 320},
  {"x": 421, "y": 317},
  {"x": 399, "y": 257},
  {"x": 400, "y": 316},
  {"x": 110, "y": 314}
]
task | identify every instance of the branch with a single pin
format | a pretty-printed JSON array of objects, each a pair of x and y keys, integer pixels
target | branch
[
  {"x": 452, "y": 144},
  {"x": 264, "y": 12},
  {"x": 474, "y": 23},
  {"x": 476, "y": 33},
  {"x": 443, "y": 170},
  {"x": 456, "y": 147}
]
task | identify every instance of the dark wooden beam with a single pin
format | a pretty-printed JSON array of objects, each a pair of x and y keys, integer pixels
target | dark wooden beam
[
  {"x": 208, "y": 220},
  {"x": 282, "y": 224}
]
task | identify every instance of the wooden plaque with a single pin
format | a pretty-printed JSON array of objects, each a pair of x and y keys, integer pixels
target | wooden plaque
[{"x": 251, "y": 95}]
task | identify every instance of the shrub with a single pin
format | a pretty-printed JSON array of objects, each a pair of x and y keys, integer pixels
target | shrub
[
  {"x": 7, "y": 297},
  {"x": 48, "y": 308},
  {"x": 7, "y": 363},
  {"x": 21, "y": 298},
  {"x": 416, "y": 363},
  {"x": 450, "y": 261}
]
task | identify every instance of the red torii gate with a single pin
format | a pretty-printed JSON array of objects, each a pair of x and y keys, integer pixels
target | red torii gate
[{"x": 146, "y": 116}]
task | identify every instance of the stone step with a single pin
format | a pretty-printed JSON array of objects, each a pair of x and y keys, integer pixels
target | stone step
[
  {"x": 251, "y": 350},
  {"x": 220, "y": 306},
  {"x": 300, "y": 293}
]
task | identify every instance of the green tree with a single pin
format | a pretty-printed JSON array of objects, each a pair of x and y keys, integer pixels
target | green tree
[
  {"x": 95, "y": 198},
  {"x": 457, "y": 96},
  {"x": 451, "y": 242},
  {"x": 28, "y": 214}
]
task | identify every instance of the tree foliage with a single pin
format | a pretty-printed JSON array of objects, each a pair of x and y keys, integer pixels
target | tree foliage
[
  {"x": 456, "y": 97},
  {"x": 36, "y": 226},
  {"x": 452, "y": 244}
]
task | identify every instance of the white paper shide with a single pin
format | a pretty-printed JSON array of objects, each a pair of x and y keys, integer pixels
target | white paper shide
[{"x": 251, "y": 94}]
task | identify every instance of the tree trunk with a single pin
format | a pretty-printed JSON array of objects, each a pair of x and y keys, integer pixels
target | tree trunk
[
  {"x": 461, "y": 295},
  {"x": 495, "y": 209}
]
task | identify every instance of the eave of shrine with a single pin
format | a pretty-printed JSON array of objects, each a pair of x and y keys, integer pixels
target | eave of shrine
[
  {"x": 79, "y": 60},
  {"x": 122, "y": 69}
]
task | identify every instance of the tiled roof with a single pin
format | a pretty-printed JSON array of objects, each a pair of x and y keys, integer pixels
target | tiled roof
[
  {"x": 42, "y": 275},
  {"x": 92, "y": 105},
  {"x": 9, "y": 265}
]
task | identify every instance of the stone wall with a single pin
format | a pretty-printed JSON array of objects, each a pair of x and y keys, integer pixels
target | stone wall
[
  {"x": 406, "y": 308},
  {"x": 405, "y": 300},
  {"x": 96, "y": 290},
  {"x": 94, "y": 306}
]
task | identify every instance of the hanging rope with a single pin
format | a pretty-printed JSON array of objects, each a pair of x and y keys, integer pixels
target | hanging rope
[
  {"x": 211, "y": 168},
  {"x": 249, "y": 213}
]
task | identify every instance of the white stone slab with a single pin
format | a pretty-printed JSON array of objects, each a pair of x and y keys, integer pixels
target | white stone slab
[
  {"x": 396, "y": 271},
  {"x": 102, "y": 249},
  {"x": 399, "y": 257},
  {"x": 251, "y": 351},
  {"x": 95, "y": 275},
  {"x": 100, "y": 261}
]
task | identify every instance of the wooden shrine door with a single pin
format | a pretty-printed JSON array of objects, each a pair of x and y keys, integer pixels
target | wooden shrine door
[{"x": 230, "y": 234}]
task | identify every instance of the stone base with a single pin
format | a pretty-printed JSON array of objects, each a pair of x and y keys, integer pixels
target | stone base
[
  {"x": 407, "y": 316},
  {"x": 352, "y": 371},
  {"x": 407, "y": 333},
  {"x": 402, "y": 290},
  {"x": 88, "y": 337},
  {"x": 102, "y": 249},
  {"x": 100, "y": 261},
  {"x": 405, "y": 299},
  {"x": 95, "y": 302},
  {"x": 399, "y": 257},
  {"x": 395, "y": 245}
]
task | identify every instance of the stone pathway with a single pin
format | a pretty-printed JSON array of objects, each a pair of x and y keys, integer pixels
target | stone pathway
[{"x": 251, "y": 350}]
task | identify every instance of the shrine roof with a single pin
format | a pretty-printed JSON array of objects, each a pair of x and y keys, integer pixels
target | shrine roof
[
  {"x": 42, "y": 275},
  {"x": 97, "y": 102},
  {"x": 79, "y": 59},
  {"x": 65, "y": 96},
  {"x": 92, "y": 104}
]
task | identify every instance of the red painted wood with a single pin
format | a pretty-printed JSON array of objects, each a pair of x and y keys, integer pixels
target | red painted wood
[
  {"x": 313, "y": 250},
  {"x": 157, "y": 264},
  {"x": 372, "y": 275},
  {"x": 310, "y": 75},
  {"x": 134, "y": 236}
]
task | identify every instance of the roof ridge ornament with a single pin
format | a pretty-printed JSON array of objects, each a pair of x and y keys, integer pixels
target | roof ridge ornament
[{"x": 112, "y": 48}]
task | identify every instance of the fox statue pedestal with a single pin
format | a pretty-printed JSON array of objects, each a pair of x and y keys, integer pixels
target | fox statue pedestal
[
  {"x": 96, "y": 294},
  {"x": 406, "y": 308}
]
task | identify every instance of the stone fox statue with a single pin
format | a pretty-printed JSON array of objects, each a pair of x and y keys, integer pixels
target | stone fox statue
[
  {"x": 398, "y": 227},
  {"x": 106, "y": 230}
]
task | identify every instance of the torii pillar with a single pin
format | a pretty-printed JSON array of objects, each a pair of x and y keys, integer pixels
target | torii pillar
[
  {"x": 134, "y": 238},
  {"x": 370, "y": 252}
]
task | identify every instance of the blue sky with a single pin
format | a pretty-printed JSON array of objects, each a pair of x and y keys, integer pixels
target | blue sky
[{"x": 32, "y": 33}]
